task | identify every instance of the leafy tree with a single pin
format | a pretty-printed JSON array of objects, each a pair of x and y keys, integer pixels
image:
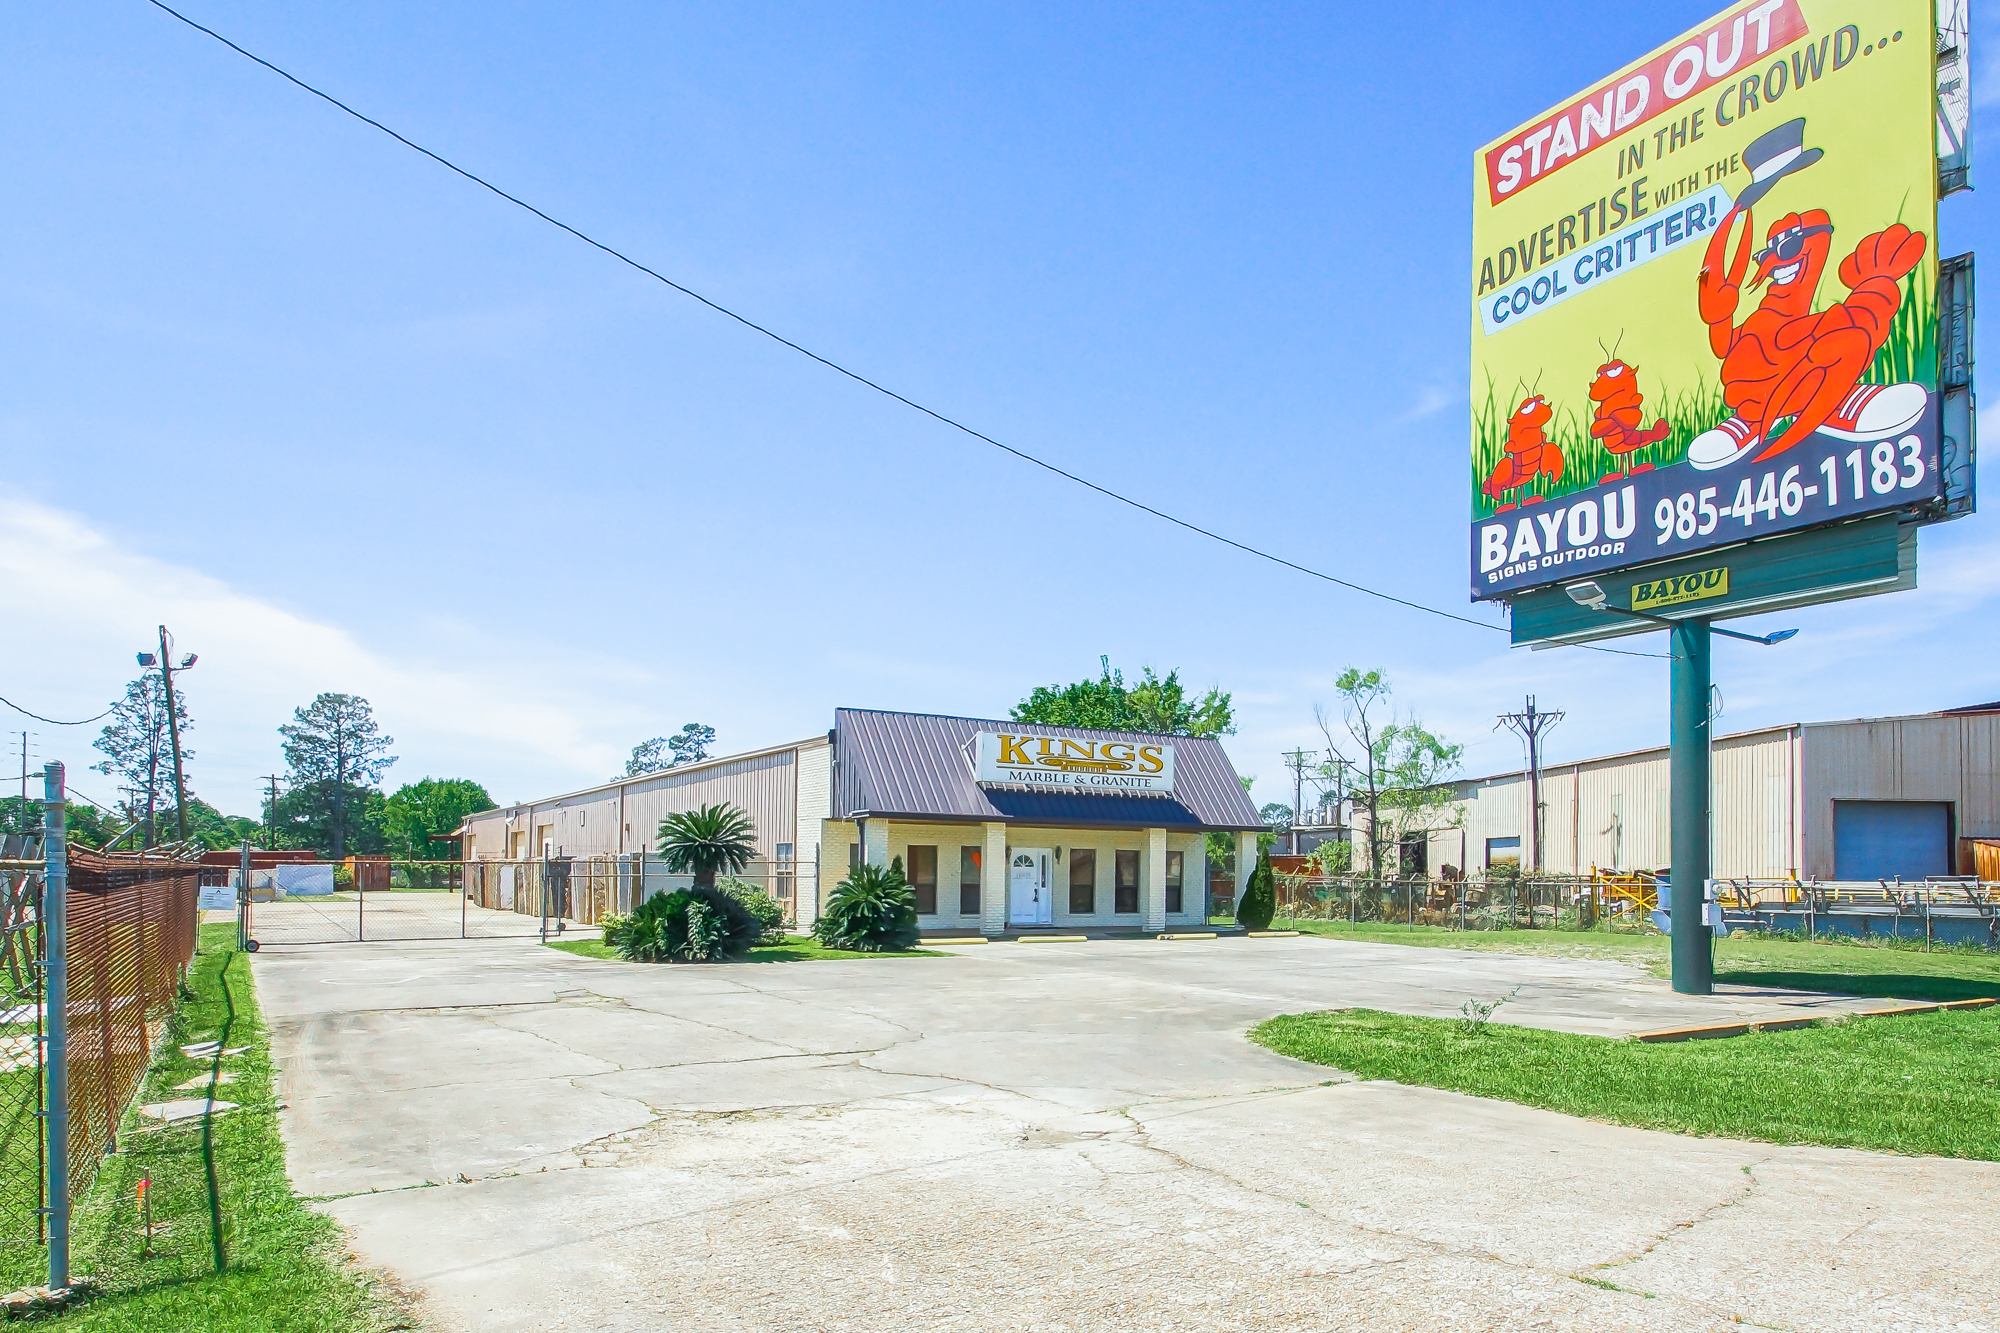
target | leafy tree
[
  {"x": 217, "y": 831},
  {"x": 1400, "y": 770},
  {"x": 333, "y": 746},
  {"x": 420, "y": 811},
  {"x": 648, "y": 756},
  {"x": 1334, "y": 857},
  {"x": 660, "y": 753},
  {"x": 872, "y": 910},
  {"x": 706, "y": 840},
  {"x": 1278, "y": 816},
  {"x": 691, "y": 745},
  {"x": 303, "y": 817},
  {"x": 84, "y": 825},
  {"x": 1156, "y": 704},
  {"x": 138, "y": 745},
  {"x": 1258, "y": 902}
]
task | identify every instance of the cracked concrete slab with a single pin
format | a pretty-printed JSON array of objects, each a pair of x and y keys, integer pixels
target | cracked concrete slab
[{"x": 1055, "y": 1139}]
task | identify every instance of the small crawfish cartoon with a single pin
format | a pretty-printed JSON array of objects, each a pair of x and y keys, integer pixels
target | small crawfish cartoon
[
  {"x": 1617, "y": 423},
  {"x": 1787, "y": 361},
  {"x": 1530, "y": 453}
]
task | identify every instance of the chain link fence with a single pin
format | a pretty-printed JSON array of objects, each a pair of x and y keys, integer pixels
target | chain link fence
[
  {"x": 586, "y": 889},
  {"x": 116, "y": 968},
  {"x": 1959, "y": 910},
  {"x": 23, "y": 1174}
]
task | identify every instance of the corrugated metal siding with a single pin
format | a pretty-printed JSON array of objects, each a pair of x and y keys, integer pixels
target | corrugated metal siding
[
  {"x": 918, "y": 764},
  {"x": 763, "y": 786},
  {"x": 1949, "y": 757},
  {"x": 1612, "y": 813},
  {"x": 588, "y": 823},
  {"x": 1750, "y": 805}
]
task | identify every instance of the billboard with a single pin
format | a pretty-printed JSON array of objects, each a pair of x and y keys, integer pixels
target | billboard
[
  {"x": 1705, "y": 296},
  {"x": 1066, "y": 763}
]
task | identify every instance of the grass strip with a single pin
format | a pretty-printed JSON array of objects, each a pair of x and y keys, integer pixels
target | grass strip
[
  {"x": 234, "y": 1249},
  {"x": 1898, "y": 969},
  {"x": 795, "y": 949},
  {"x": 1918, "y": 1084}
]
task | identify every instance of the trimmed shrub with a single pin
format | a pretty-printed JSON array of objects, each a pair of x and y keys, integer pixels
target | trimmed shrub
[
  {"x": 770, "y": 913},
  {"x": 707, "y": 933},
  {"x": 699, "y": 925},
  {"x": 871, "y": 911},
  {"x": 1259, "y": 900}
]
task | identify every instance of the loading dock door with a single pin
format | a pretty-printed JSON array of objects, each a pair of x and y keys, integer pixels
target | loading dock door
[{"x": 1885, "y": 839}]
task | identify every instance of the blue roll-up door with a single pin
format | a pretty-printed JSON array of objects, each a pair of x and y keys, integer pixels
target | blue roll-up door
[{"x": 1885, "y": 839}]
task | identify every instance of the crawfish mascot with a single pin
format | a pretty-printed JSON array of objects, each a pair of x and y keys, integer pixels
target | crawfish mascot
[{"x": 1787, "y": 363}]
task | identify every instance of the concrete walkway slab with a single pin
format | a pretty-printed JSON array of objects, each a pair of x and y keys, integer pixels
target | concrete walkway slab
[{"x": 1074, "y": 1138}]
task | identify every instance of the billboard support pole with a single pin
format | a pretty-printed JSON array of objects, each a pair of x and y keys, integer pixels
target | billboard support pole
[{"x": 1694, "y": 968}]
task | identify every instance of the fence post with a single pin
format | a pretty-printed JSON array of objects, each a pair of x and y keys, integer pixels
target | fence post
[
  {"x": 242, "y": 904},
  {"x": 55, "y": 997}
]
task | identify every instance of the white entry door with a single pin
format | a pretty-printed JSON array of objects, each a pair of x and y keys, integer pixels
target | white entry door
[{"x": 1029, "y": 900}]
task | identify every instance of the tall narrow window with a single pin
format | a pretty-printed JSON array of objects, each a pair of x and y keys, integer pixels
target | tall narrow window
[
  {"x": 1125, "y": 898},
  {"x": 1082, "y": 881},
  {"x": 1174, "y": 880},
  {"x": 920, "y": 868},
  {"x": 783, "y": 871},
  {"x": 968, "y": 881}
]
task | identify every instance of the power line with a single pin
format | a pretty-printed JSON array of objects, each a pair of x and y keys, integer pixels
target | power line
[
  {"x": 52, "y": 722},
  {"x": 835, "y": 366}
]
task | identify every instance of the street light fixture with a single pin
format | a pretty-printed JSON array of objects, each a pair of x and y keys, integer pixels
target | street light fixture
[
  {"x": 1591, "y": 597},
  {"x": 164, "y": 660}
]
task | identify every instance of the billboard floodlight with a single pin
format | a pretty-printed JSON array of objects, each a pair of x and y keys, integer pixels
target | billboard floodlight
[{"x": 1586, "y": 594}]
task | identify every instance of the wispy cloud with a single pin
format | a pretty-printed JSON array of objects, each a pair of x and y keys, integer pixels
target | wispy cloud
[
  {"x": 1430, "y": 400},
  {"x": 81, "y": 604}
]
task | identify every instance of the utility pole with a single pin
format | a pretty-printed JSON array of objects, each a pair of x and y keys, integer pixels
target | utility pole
[
  {"x": 271, "y": 813},
  {"x": 1296, "y": 761},
  {"x": 1531, "y": 725},
  {"x": 174, "y": 731}
]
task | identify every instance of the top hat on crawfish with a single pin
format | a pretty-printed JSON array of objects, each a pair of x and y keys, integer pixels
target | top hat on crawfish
[{"x": 1787, "y": 363}]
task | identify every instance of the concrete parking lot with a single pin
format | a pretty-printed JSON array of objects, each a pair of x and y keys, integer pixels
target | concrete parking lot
[{"x": 1053, "y": 1136}]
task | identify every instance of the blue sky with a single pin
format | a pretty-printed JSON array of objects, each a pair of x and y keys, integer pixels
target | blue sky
[{"x": 346, "y": 422}]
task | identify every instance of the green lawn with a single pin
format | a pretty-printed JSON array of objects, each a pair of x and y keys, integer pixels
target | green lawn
[
  {"x": 1925, "y": 1083},
  {"x": 240, "y": 1251},
  {"x": 1900, "y": 970},
  {"x": 795, "y": 949}
]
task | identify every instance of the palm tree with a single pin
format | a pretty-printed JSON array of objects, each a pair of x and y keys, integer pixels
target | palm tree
[{"x": 708, "y": 839}]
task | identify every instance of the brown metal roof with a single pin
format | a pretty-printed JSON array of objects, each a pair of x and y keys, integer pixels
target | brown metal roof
[{"x": 917, "y": 766}]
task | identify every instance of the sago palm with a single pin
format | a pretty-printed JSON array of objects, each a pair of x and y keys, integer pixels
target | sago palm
[{"x": 706, "y": 840}]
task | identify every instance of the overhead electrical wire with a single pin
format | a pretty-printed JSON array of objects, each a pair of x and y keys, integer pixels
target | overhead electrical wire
[
  {"x": 835, "y": 366},
  {"x": 52, "y": 722}
]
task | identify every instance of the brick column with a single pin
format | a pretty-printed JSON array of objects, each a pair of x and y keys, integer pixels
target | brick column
[
  {"x": 875, "y": 843},
  {"x": 993, "y": 881},
  {"x": 1153, "y": 881},
  {"x": 1246, "y": 861}
]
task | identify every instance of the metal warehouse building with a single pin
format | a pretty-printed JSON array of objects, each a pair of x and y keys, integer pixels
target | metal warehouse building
[
  {"x": 1875, "y": 798},
  {"x": 1000, "y": 826}
]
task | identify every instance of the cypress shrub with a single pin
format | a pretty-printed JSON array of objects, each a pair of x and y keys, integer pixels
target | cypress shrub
[{"x": 1258, "y": 902}]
